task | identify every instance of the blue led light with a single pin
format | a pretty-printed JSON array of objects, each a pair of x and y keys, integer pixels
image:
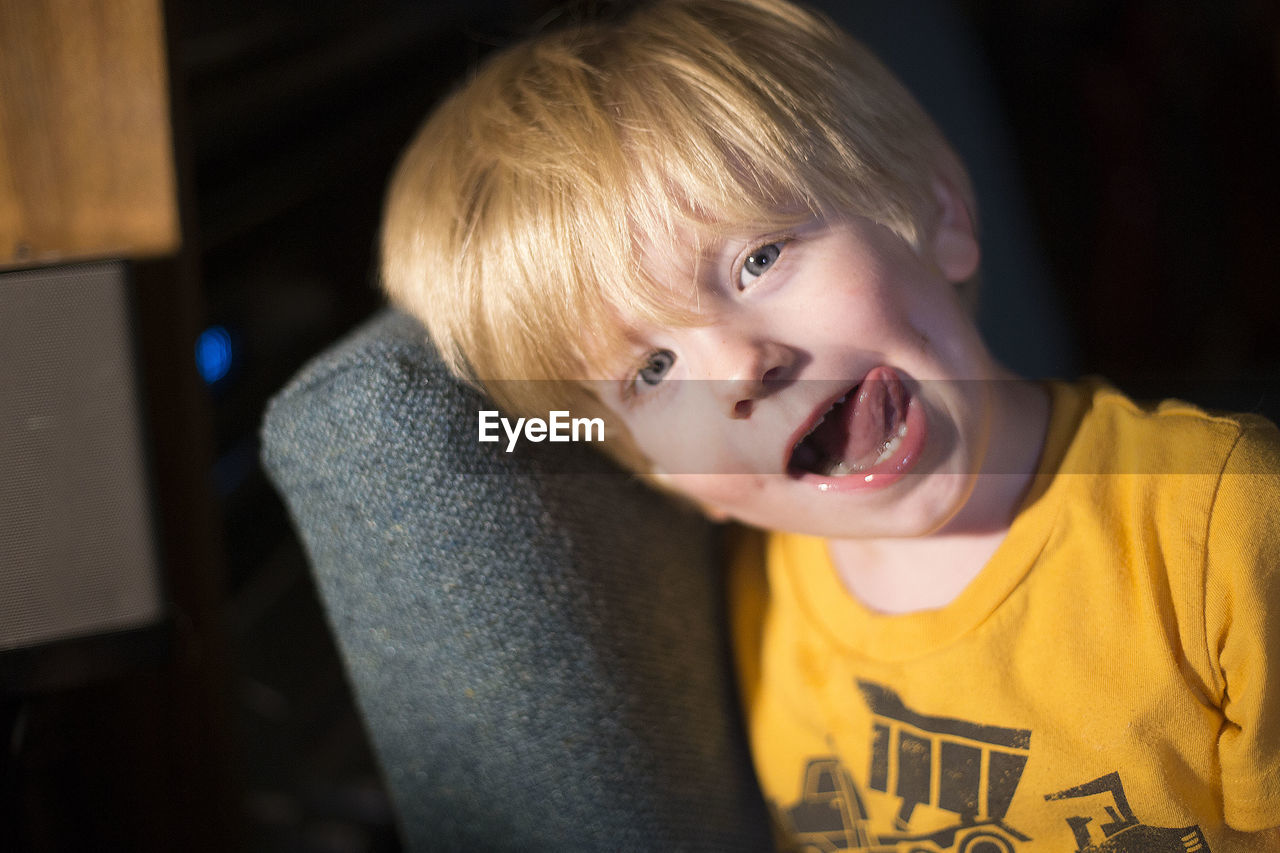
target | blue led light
[{"x": 213, "y": 353}]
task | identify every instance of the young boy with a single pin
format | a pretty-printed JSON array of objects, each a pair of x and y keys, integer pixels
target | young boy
[{"x": 981, "y": 614}]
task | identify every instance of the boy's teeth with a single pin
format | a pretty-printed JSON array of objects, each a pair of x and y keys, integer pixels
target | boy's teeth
[
  {"x": 891, "y": 445},
  {"x": 821, "y": 418},
  {"x": 841, "y": 468},
  {"x": 836, "y": 468}
]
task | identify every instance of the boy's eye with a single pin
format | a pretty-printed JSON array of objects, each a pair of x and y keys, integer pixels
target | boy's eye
[
  {"x": 656, "y": 366},
  {"x": 758, "y": 263}
]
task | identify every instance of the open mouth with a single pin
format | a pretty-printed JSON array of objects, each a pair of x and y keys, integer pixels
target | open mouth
[{"x": 867, "y": 431}]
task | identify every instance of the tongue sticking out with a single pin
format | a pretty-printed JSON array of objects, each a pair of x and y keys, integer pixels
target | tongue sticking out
[{"x": 860, "y": 432}]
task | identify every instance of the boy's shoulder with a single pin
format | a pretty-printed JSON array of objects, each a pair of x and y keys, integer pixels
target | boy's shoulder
[
  {"x": 1195, "y": 491},
  {"x": 1097, "y": 429}
]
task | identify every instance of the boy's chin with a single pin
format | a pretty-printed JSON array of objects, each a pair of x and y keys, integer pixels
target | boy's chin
[{"x": 916, "y": 505}]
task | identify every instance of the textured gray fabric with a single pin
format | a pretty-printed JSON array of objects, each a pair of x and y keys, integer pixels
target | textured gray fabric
[{"x": 541, "y": 658}]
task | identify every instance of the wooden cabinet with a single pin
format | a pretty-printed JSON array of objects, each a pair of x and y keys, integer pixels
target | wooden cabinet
[
  {"x": 86, "y": 154},
  {"x": 136, "y": 756}
]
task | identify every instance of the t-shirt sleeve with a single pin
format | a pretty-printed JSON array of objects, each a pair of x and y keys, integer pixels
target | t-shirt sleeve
[{"x": 1242, "y": 620}]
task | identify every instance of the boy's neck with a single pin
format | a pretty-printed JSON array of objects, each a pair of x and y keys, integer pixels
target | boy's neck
[{"x": 928, "y": 572}]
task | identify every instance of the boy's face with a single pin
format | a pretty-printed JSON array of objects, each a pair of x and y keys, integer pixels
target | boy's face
[{"x": 743, "y": 413}]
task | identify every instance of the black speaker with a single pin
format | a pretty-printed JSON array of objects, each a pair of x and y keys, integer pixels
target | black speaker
[{"x": 80, "y": 588}]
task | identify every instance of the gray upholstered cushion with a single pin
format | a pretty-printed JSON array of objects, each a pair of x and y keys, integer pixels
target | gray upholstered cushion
[{"x": 540, "y": 657}]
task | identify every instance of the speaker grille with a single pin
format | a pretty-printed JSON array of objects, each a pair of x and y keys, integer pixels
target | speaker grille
[{"x": 77, "y": 551}]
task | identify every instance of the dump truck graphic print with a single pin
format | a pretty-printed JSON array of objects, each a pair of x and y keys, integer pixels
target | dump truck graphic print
[
  {"x": 965, "y": 776},
  {"x": 979, "y": 765},
  {"x": 966, "y": 769}
]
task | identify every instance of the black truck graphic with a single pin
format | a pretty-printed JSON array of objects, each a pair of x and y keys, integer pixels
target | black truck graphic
[
  {"x": 1122, "y": 832},
  {"x": 966, "y": 769}
]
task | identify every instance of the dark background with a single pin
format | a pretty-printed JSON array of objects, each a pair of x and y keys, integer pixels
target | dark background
[{"x": 1146, "y": 136}]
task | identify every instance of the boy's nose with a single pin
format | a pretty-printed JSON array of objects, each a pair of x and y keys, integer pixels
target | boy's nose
[{"x": 753, "y": 371}]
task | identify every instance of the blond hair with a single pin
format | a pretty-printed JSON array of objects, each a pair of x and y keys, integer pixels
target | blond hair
[{"x": 516, "y": 221}]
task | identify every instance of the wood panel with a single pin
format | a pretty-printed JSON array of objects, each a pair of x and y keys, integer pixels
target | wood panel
[{"x": 86, "y": 162}]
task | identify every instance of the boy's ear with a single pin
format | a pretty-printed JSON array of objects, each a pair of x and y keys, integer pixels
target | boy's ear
[{"x": 955, "y": 234}]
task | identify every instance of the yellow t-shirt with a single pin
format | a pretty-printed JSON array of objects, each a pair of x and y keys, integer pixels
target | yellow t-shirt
[{"x": 1109, "y": 681}]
